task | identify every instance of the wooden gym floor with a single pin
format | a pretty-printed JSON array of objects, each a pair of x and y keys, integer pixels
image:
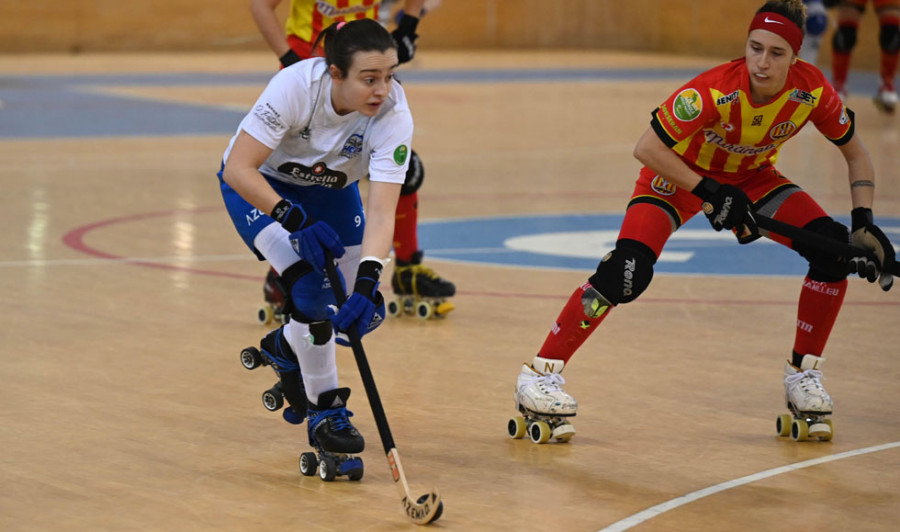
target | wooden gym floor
[{"x": 129, "y": 297}]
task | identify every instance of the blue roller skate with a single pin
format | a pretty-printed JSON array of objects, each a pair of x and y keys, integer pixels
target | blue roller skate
[
  {"x": 276, "y": 352},
  {"x": 335, "y": 439}
]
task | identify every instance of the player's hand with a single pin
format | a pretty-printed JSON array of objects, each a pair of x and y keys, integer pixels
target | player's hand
[
  {"x": 726, "y": 207},
  {"x": 309, "y": 239},
  {"x": 365, "y": 306},
  {"x": 405, "y": 36},
  {"x": 866, "y": 235}
]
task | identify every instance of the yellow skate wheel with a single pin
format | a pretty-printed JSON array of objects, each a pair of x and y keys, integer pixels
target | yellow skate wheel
[
  {"x": 830, "y": 426},
  {"x": 517, "y": 427},
  {"x": 444, "y": 308},
  {"x": 424, "y": 310},
  {"x": 799, "y": 430},
  {"x": 540, "y": 432},
  {"x": 783, "y": 425},
  {"x": 395, "y": 307},
  {"x": 265, "y": 314}
]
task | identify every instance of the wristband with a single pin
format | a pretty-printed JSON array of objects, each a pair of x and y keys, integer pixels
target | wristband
[
  {"x": 367, "y": 276},
  {"x": 408, "y": 23},
  {"x": 706, "y": 189},
  {"x": 289, "y": 58},
  {"x": 291, "y": 217},
  {"x": 861, "y": 217}
]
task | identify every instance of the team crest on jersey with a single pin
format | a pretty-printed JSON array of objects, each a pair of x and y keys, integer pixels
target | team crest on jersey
[
  {"x": 727, "y": 127},
  {"x": 687, "y": 105},
  {"x": 352, "y": 146},
  {"x": 662, "y": 187},
  {"x": 318, "y": 174},
  {"x": 400, "y": 154},
  {"x": 782, "y": 130}
]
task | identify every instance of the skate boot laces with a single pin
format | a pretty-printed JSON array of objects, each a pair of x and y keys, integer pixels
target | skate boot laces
[
  {"x": 338, "y": 418},
  {"x": 809, "y": 381},
  {"x": 547, "y": 384}
]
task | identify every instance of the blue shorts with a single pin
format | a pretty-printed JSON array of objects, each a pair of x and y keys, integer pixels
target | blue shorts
[{"x": 341, "y": 209}]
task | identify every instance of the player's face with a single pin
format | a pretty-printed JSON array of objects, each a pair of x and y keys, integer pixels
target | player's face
[
  {"x": 367, "y": 84},
  {"x": 769, "y": 57}
]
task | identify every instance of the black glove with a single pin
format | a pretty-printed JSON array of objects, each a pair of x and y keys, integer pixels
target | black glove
[
  {"x": 289, "y": 58},
  {"x": 864, "y": 234},
  {"x": 830, "y": 3},
  {"x": 405, "y": 36},
  {"x": 726, "y": 207}
]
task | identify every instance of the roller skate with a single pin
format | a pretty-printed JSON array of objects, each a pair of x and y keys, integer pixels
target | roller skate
[
  {"x": 335, "y": 439},
  {"x": 886, "y": 100},
  {"x": 419, "y": 290},
  {"x": 275, "y": 295},
  {"x": 274, "y": 351},
  {"x": 544, "y": 405},
  {"x": 808, "y": 402}
]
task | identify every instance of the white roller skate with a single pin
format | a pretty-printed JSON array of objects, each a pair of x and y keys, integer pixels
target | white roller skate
[
  {"x": 886, "y": 100},
  {"x": 545, "y": 406},
  {"x": 808, "y": 402}
]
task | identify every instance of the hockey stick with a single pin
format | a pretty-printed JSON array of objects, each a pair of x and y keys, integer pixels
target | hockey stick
[
  {"x": 816, "y": 240},
  {"x": 428, "y": 507}
]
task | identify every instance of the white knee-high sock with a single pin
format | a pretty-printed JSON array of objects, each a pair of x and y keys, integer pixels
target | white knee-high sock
[{"x": 317, "y": 362}]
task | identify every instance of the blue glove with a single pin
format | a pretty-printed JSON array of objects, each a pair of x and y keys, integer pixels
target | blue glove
[
  {"x": 309, "y": 239},
  {"x": 365, "y": 307}
]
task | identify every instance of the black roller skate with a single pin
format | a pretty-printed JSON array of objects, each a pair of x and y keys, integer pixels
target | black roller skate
[
  {"x": 275, "y": 352},
  {"x": 419, "y": 290},
  {"x": 276, "y": 297},
  {"x": 335, "y": 439}
]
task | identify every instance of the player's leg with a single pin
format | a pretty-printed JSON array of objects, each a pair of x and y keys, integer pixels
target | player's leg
[
  {"x": 886, "y": 98},
  {"x": 843, "y": 42},
  {"x": 410, "y": 277}
]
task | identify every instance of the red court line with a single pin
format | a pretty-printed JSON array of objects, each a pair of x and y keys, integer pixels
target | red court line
[{"x": 75, "y": 240}]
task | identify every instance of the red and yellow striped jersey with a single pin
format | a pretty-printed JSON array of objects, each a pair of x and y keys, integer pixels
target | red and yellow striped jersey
[
  {"x": 718, "y": 131},
  {"x": 308, "y": 18}
]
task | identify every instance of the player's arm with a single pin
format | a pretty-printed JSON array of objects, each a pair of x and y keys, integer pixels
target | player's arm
[
  {"x": 242, "y": 172},
  {"x": 271, "y": 28},
  {"x": 654, "y": 154},
  {"x": 860, "y": 172},
  {"x": 381, "y": 207},
  {"x": 414, "y": 8}
]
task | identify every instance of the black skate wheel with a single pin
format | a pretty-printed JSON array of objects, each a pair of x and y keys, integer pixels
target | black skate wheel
[
  {"x": 437, "y": 514},
  {"x": 308, "y": 464},
  {"x": 355, "y": 472},
  {"x": 250, "y": 358},
  {"x": 273, "y": 399},
  {"x": 327, "y": 469}
]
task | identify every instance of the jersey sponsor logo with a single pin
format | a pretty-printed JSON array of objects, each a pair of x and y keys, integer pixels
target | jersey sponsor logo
[
  {"x": 738, "y": 149},
  {"x": 319, "y": 174},
  {"x": 269, "y": 116},
  {"x": 670, "y": 120},
  {"x": 804, "y": 97},
  {"x": 400, "y": 154},
  {"x": 783, "y": 130},
  {"x": 728, "y": 98},
  {"x": 352, "y": 146},
  {"x": 687, "y": 105},
  {"x": 662, "y": 187},
  {"x": 331, "y": 11}
]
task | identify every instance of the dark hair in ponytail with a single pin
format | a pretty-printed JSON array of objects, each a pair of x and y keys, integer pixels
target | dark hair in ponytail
[{"x": 342, "y": 40}]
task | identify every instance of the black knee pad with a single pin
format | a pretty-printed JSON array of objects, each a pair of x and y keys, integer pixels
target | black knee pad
[
  {"x": 415, "y": 174},
  {"x": 825, "y": 267},
  {"x": 321, "y": 332},
  {"x": 844, "y": 39},
  {"x": 889, "y": 38},
  {"x": 625, "y": 272}
]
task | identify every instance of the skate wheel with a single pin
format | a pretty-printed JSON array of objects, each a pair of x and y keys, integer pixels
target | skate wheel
[
  {"x": 539, "y": 432},
  {"x": 799, "y": 430},
  {"x": 250, "y": 358},
  {"x": 265, "y": 314},
  {"x": 444, "y": 308},
  {"x": 394, "y": 308},
  {"x": 424, "y": 310},
  {"x": 308, "y": 464},
  {"x": 327, "y": 469},
  {"x": 273, "y": 399},
  {"x": 783, "y": 425},
  {"x": 353, "y": 468},
  {"x": 517, "y": 427}
]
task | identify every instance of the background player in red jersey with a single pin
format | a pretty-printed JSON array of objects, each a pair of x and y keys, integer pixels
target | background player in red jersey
[
  {"x": 848, "y": 15},
  {"x": 712, "y": 146},
  {"x": 306, "y": 19}
]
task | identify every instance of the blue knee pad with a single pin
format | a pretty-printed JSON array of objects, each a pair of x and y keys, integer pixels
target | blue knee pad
[{"x": 311, "y": 294}]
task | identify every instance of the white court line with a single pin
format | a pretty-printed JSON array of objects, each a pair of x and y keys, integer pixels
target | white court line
[{"x": 660, "y": 509}]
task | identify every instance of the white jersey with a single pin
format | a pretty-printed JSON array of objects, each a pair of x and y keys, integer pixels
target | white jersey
[{"x": 313, "y": 145}]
